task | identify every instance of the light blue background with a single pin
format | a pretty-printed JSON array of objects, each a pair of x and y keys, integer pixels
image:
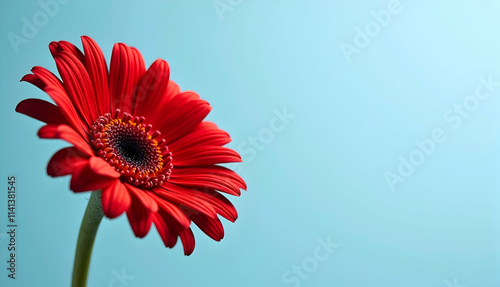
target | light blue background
[{"x": 321, "y": 176}]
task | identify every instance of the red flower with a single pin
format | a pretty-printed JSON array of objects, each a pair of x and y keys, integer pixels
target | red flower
[{"x": 138, "y": 138}]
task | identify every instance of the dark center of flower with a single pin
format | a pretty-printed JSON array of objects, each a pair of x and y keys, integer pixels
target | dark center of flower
[{"x": 136, "y": 152}]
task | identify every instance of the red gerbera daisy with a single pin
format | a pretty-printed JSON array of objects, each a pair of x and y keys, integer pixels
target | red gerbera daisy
[{"x": 137, "y": 138}]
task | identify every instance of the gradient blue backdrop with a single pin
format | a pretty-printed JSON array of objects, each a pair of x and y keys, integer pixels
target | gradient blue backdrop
[{"x": 321, "y": 176}]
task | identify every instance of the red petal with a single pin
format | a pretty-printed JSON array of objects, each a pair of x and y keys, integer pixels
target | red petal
[
  {"x": 126, "y": 69},
  {"x": 115, "y": 199},
  {"x": 184, "y": 197},
  {"x": 49, "y": 83},
  {"x": 208, "y": 182},
  {"x": 205, "y": 155},
  {"x": 57, "y": 47},
  {"x": 66, "y": 133},
  {"x": 173, "y": 210},
  {"x": 211, "y": 198},
  {"x": 42, "y": 111},
  {"x": 77, "y": 83},
  {"x": 187, "y": 238},
  {"x": 166, "y": 228},
  {"x": 45, "y": 79},
  {"x": 163, "y": 104},
  {"x": 95, "y": 65},
  {"x": 140, "y": 218},
  {"x": 65, "y": 161},
  {"x": 140, "y": 213},
  {"x": 222, "y": 205},
  {"x": 34, "y": 80},
  {"x": 213, "y": 173},
  {"x": 152, "y": 89},
  {"x": 210, "y": 226},
  {"x": 97, "y": 174},
  {"x": 144, "y": 196},
  {"x": 183, "y": 113},
  {"x": 206, "y": 133},
  {"x": 169, "y": 229}
]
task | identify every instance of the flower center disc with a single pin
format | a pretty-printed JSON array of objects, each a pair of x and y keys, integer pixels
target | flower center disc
[{"x": 132, "y": 149}]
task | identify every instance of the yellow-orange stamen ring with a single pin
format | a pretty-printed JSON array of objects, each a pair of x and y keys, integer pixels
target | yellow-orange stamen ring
[{"x": 132, "y": 148}]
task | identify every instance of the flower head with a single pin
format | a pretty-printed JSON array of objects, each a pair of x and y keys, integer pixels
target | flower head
[{"x": 137, "y": 138}]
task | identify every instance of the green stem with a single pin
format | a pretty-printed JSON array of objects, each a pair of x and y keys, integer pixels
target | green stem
[{"x": 88, "y": 229}]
